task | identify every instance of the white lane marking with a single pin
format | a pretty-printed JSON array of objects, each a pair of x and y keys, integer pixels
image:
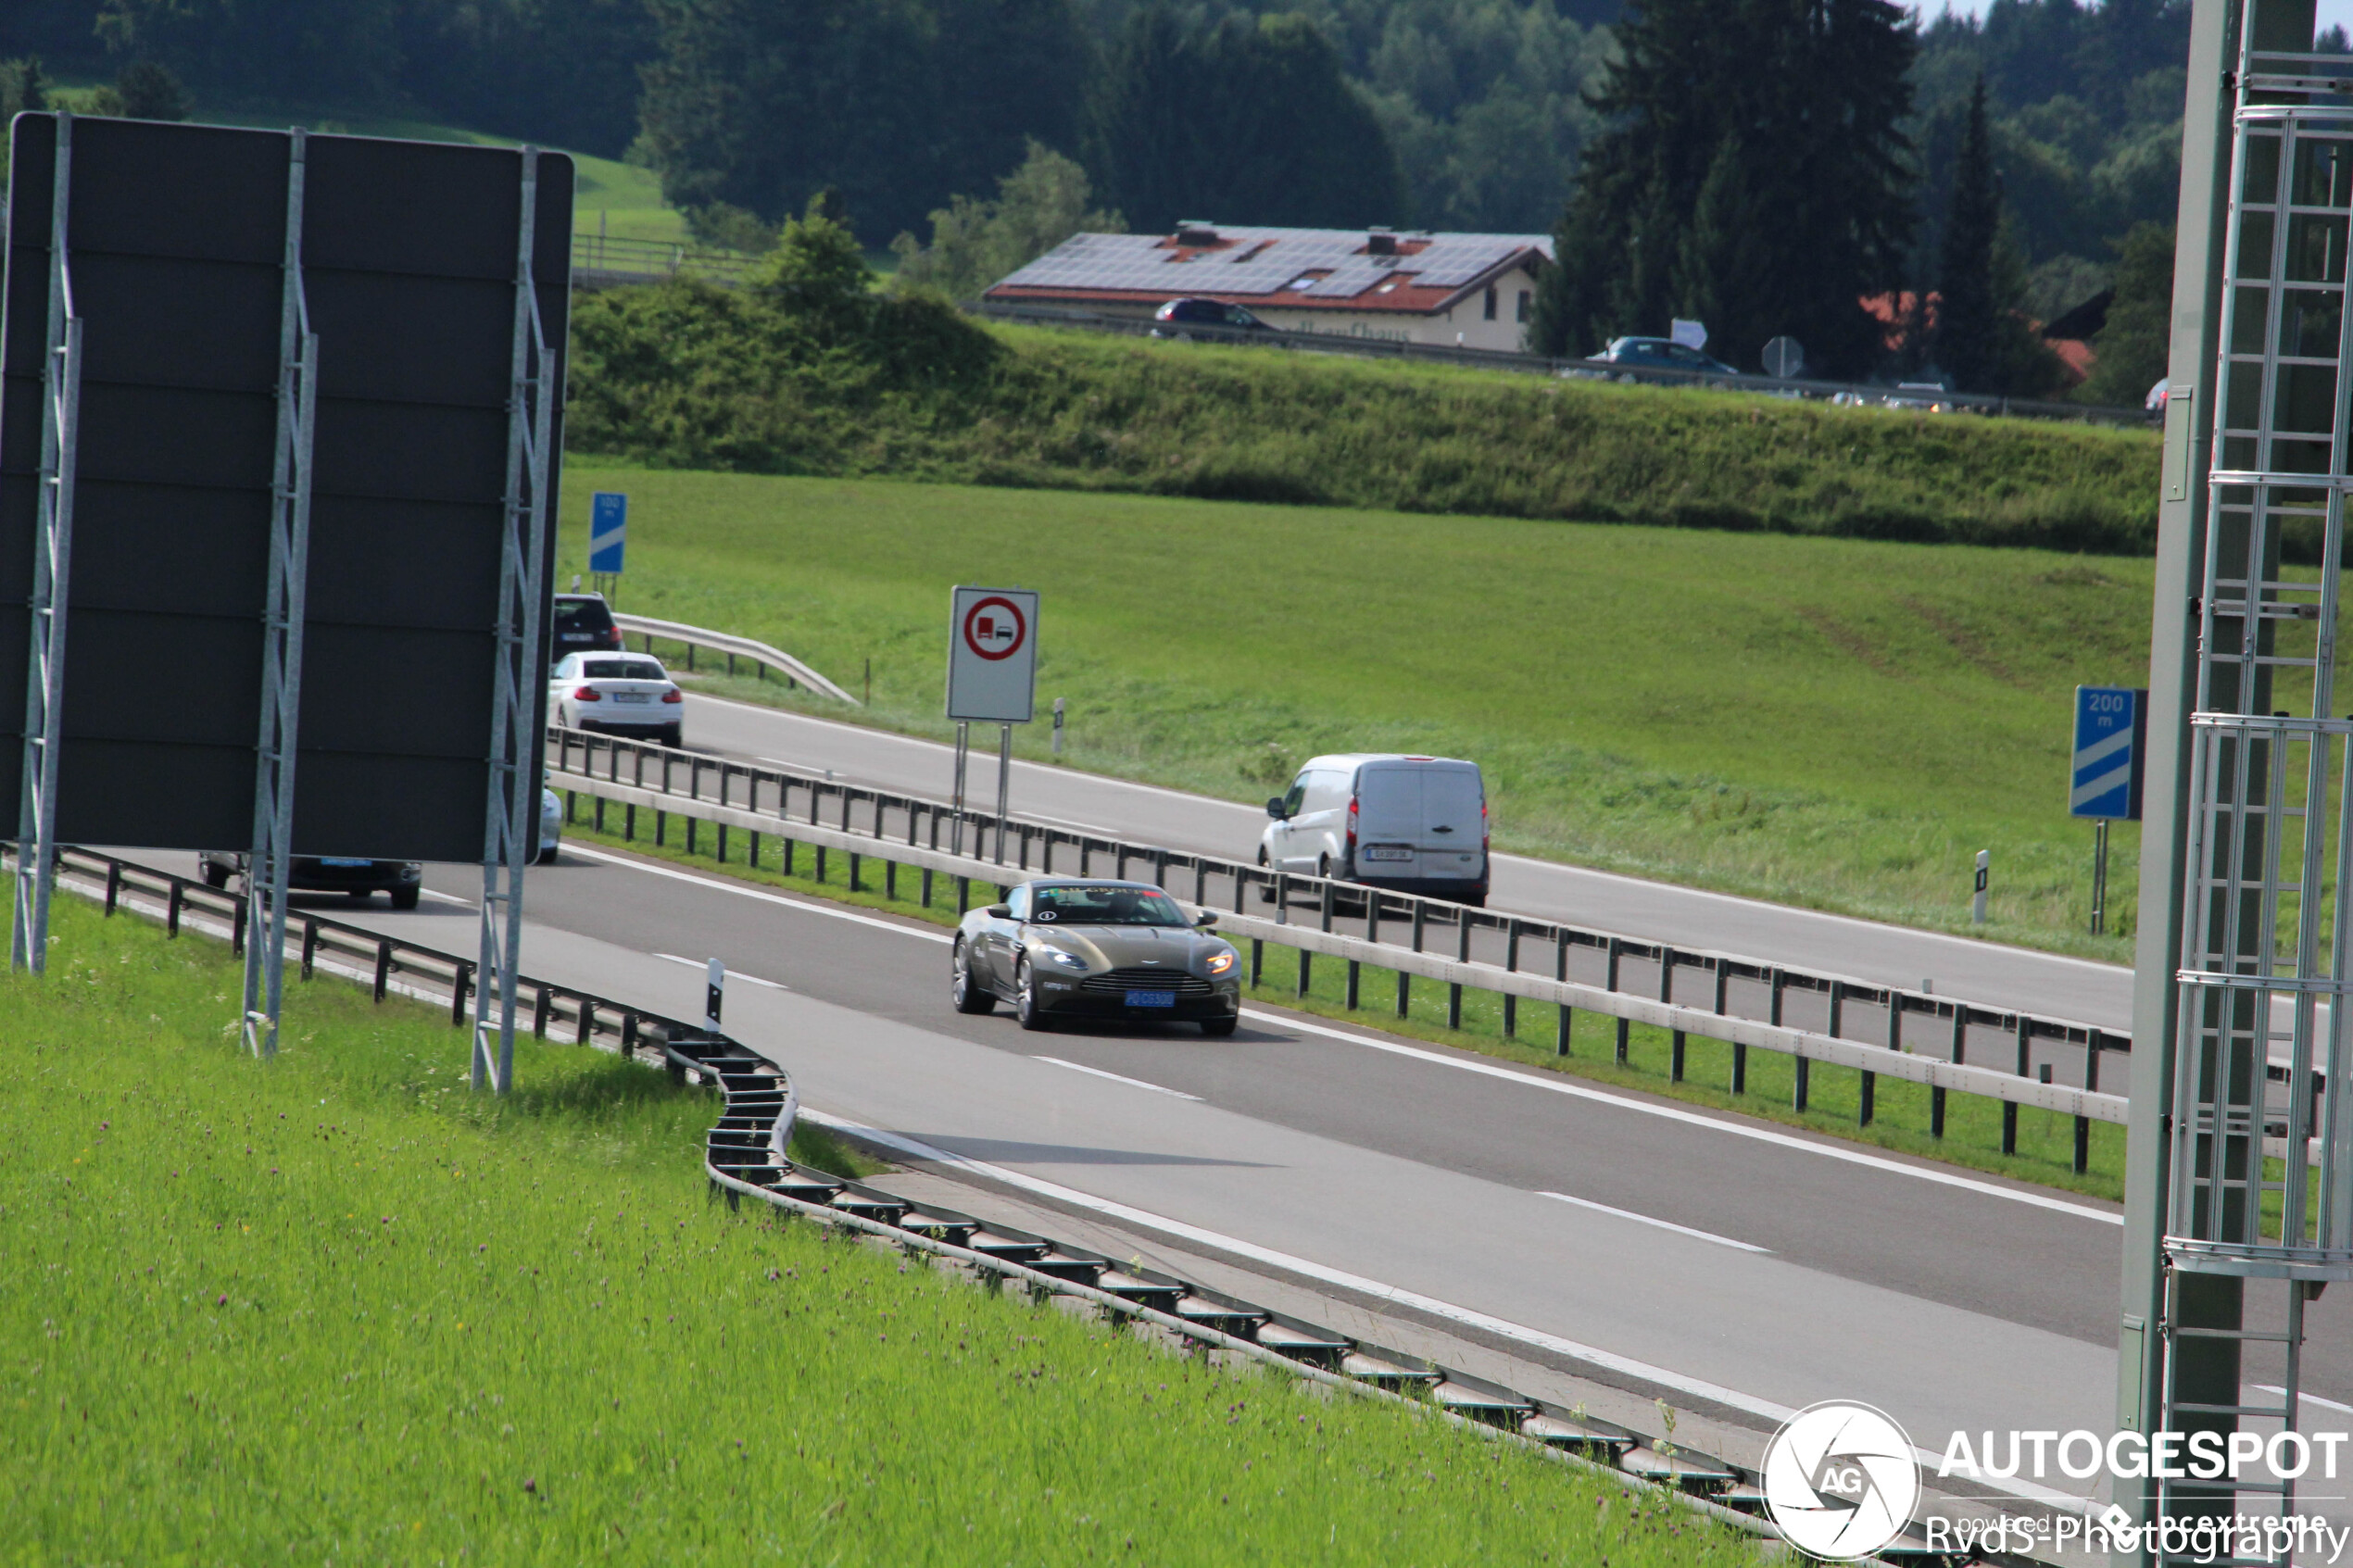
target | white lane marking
[
  {"x": 2301, "y": 1398},
  {"x": 1662, "y": 1224},
  {"x": 1555, "y": 1085},
  {"x": 1446, "y": 1311},
  {"x": 1673, "y": 1113},
  {"x": 743, "y": 890},
  {"x": 446, "y": 898},
  {"x": 732, "y": 975},
  {"x": 1131, "y": 1082}
]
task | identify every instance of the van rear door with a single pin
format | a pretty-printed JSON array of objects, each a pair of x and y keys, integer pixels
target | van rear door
[
  {"x": 1453, "y": 842},
  {"x": 1388, "y": 820}
]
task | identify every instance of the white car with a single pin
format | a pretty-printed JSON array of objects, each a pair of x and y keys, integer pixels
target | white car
[
  {"x": 551, "y": 827},
  {"x": 1410, "y": 824},
  {"x": 621, "y": 694}
]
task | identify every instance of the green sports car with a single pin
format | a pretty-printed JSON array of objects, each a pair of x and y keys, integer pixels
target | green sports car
[{"x": 1062, "y": 948}]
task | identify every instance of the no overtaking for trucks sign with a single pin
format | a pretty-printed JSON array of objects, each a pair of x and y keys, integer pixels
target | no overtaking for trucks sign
[{"x": 992, "y": 654}]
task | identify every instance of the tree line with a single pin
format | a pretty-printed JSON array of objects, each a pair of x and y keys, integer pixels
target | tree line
[{"x": 1761, "y": 164}]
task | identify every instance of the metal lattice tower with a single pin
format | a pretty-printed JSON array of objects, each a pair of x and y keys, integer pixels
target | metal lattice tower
[
  {"x": 274, "y": 793},
  {"x": 52, "y": 561},
  {"x": 512, "y": 835},
  {"x": 2264, "y": 978}
]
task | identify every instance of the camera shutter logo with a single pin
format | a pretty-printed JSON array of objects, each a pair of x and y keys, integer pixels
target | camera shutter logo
[{"x": 1840, "y": 1480}]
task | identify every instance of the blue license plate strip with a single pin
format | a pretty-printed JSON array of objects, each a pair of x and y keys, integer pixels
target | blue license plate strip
[{"x": 1152, "y": 998}]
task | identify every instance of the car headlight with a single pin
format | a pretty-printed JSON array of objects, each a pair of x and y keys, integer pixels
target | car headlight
[
  {"x": 1068, "y": 961},
  {"x": 1220, "y": 962}
]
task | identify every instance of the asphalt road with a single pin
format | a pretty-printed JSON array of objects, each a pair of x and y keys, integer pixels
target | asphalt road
[
  {"x": 1729, "y": 1264},
  {"x": 1983, "y": 972}
]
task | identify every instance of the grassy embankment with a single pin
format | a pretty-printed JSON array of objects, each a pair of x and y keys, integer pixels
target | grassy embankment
[
  {"x": 691, "y": 377},
  {"x": 1901, "y": 1117},
  {"x": 1834, "y": 724},
  {"x": 340, "y": 1307}
]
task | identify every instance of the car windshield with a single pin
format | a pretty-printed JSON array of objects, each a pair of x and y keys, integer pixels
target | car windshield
[
  {"x": 621, "y": 670},
  {"x": 1104, "y": 905}
]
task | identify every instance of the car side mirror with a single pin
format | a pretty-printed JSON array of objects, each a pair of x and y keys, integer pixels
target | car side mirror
[
  {"x": 1275, "y": 810},
  {"x": 1207, "y": 917},
  {"x": 999, "y": 911}
]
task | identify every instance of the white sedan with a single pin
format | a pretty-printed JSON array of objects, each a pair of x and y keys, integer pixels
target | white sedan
[{"x": 622, "y": 694}]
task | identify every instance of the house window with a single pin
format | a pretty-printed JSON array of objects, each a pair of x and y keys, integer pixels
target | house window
[
  {"x": 1524, "y": 298},
  {"x": 1490, "y": 302}
]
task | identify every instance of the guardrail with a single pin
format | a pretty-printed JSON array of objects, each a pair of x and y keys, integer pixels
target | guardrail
[
  {"x": 1489, "y": 950},
  {"x": 597, "y": 261},
  {"x": 1854, "y": 392},
  {"x": 746, "y": 1154},
  {"x": 732, "y": 647}
]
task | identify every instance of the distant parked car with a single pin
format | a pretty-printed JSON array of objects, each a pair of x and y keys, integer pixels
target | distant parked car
[
  {"x": 1926, "y": 396},
  {"x": 617, "y": 694},
  {"x": 584, "y": 621},
  {"x": 1410, "y": 824},
  {"x": 1180, "y": 313},
  {"x": 2155, "y": 401},
  {"x": 355, "y": 876},
  {"x": 1658, "y": 354}
]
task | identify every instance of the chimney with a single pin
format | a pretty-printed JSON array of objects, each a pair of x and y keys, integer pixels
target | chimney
[
  {"x": 1380, "y": 241},
  {"x": 1196, "y": 231}
]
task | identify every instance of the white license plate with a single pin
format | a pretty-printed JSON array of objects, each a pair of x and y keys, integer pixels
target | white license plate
[
  {"x": 342, "y": 861},
  {"x": 1152, "y": 998},
  {"x": 1383, "y": 852},
  {"x": 631, "y": 697}
]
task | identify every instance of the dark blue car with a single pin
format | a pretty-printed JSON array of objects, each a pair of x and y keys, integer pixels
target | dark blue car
[{"x": 1658, "y": 354}]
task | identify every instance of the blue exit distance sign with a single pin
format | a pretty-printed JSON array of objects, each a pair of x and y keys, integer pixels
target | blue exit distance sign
[
  {"x": 2105, "y": 781},
  {"x": 608, "y": 530}
]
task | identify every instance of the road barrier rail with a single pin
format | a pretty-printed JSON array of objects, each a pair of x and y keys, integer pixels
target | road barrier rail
[
  {"x": 732, "y": 647},
  {"x": 746, "y": 1154},
  {"x": 611, "y": 773}
]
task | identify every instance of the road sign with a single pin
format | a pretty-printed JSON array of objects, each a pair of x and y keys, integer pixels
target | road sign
[
  {"x": 2105, "y": 778},
  {"x": 992, "y": 654},
  {"x": 1690, "y": 335},
  {"x": 1784, "y": 357},
  {"x": 608, "y": 530}
]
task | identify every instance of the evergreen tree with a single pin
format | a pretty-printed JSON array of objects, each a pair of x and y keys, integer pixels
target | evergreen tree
[
  {"x": 2136, "y": 343},
  {"x": 1783, "y": 118},
  {"x": 1245, "y": 121},
  {"x": 147, "y": 91},
  {"x": 1968, "y": 320},
  {"x": 1982, "y": 339}
]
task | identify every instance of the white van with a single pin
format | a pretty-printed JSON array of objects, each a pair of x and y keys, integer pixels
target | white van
[{"x": 1410, "y": 824}]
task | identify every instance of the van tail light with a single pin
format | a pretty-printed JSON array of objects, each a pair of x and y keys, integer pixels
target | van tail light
[
  {"x": 1351, "y": 826},
  {"x": 673, "y": 694},
  {"x": 1483, "y": 829},
  {"x": 586, "y": 693}
]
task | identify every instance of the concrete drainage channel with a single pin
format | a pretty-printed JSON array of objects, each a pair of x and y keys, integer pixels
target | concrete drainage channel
[{"x": 745, "y": 1155}]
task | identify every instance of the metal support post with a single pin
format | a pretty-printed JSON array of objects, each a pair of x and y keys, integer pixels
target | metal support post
[
  {"x": 267, "y": 866},
  {"x": 512, "y": 810},
  {"x": 2099, "y": 876},
  {"x": 956, "y": 808},
  {"x": 52, "y": 561},
  {"x": 1004, "y": 785}
]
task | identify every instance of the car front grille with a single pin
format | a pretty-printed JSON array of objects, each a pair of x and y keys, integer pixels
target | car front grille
[{"x": 1119, "y": 980}]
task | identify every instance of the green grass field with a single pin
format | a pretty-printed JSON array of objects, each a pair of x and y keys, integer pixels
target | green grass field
[
  {"x": 1834, "y": 724},
  {"x": 340, "y": 1308}
]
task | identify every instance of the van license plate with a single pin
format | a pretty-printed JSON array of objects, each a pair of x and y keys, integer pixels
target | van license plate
[
  {"x": 1152, "y": 998},
  {"x": 1385, "y": 852}
]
